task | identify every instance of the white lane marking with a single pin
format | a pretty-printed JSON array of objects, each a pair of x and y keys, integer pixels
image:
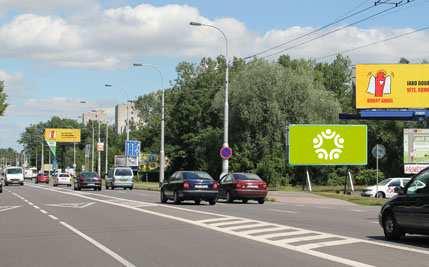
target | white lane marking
[
  {"x": 214, "y": 220},
  {"x": 52, "y": 217},
  {"x": 286, "y": 234},
  {"x": 99, "y": 245},
  {"x": 283, "y": 211},
  {"x": 72, "y": 205},
  {"x": 44, "y": 211},
  {"x": 329, "y": 243},
  {"x": 255, "y": 238},
  {"x": 36, "y": 207},
  {"x": 30, "y": 203},
  {"x": 232, "y": 223},
  {"x": 5, "y": 208},
  {"x": 358, "y": 210},
  {"x": 261, "y": 226},
  {"x": 260, "y": 231},
  {"x": 306, "y": 238}
]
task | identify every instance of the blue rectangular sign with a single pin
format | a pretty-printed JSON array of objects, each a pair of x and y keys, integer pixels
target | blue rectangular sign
[{"x": 132, "y": 148}]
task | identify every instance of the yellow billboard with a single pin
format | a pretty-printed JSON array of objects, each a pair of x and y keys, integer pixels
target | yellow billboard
[
  {"x": 62, "y": 135},
  {"x": 388, "y": 86}
]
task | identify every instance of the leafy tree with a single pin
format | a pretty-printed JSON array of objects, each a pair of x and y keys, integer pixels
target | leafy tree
[{"x": 3, "y": 97}]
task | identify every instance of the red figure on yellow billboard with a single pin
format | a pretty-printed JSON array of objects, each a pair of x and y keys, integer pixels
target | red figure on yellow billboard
[{"x": 380, "y": 84}]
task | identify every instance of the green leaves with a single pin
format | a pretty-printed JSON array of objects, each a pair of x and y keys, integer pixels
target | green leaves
[{"x": 3, "y": 97}]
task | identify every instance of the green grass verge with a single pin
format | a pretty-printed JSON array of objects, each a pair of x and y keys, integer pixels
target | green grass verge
[
  {"x": 367, "y": 201},
  {"x": 150, "y": 186}
]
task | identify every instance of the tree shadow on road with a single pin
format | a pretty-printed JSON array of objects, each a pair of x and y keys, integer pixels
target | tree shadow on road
[{"x": 410, "y": 240}]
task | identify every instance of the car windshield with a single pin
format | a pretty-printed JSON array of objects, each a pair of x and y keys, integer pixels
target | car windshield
[
  {"x": 197, "y": 176},
  {"x": 88, "y": 174},
  {"x": 14, "y": 171},
  {"x": 385, "y": 182},
  {"x": 123, "y": 172},
  {"x": 247, "y": 176}
]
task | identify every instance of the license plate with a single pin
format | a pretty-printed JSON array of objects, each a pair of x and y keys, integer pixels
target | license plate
[
  {"x": 252, "y": 186},
  {"x": 90, "y": 184},
  {"x": 201, "y": 186}
]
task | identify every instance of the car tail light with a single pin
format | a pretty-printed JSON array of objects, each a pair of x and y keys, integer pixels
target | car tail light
[
  {"x": 263, "y": 186},
  {"x": 186, "y": 185},
  {"x": 240, "y": 186},
  {"x": 215, "y": 185}
]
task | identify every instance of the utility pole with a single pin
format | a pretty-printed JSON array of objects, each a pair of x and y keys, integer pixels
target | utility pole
[
  {"x": 92, "y": 154},
  {"x": 42, "y": 159},
  {"x": 107, "y": 149},
  {"x": 99, "y": 151}
]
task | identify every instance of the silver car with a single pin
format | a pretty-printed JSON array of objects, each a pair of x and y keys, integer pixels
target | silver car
[{"x": 120, "y": 177}]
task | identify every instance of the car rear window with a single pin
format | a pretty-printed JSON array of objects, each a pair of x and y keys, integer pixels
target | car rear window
[
  {"x": 89, "y": 174},
  {"x": 247, "y": 176},
  {"x": 14, "y": 171},
  {"x": 384, "y": 182},
  {"x": 123, "y": 172},
  {"x": 64, "y": 175},
  {"x": 197, "y": 176}
]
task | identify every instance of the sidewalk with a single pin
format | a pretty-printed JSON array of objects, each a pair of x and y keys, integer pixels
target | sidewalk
[{"x": 306, "y": 198}]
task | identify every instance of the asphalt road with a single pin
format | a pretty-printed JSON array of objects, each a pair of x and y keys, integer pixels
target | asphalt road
[{"x": 45, "y": 226}]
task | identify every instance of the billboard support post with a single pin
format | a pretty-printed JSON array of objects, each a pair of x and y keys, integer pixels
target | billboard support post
[
  {"x": 377, "y": 169},
  {"x": 308, "y": 180},
  {"x": 351, "y": 180}
]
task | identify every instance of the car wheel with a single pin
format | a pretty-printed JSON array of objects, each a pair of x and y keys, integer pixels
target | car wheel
[
  {"x": 229, "y": 198},
  {"x": 176, "y": 198},
  {"x": 112, "y": 187},
  {"x": 1, "y": 189},
  {"x": 131, "y": 188},
  {"x": 197, "y": 201},
  {"x": 380, "y": 195},
  {"x": 212, "y": 201},
  {"x": 55, "y": 185},
  {"x": 392, "y": 232},
  {"x": 22, "y": 184},
  {"x": 6, "y": 184},
  {"x": 163, "y": 197},
  {"x": 244, "y": 201},
  {"x": 261, "y": 200},
  {"x": 36, "y": 182}
]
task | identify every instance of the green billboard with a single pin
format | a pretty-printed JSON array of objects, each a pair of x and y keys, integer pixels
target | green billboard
[{"x": 327, "y": 144}]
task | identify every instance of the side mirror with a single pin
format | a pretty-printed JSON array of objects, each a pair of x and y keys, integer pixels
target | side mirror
[{"x": 399, "y": 190}]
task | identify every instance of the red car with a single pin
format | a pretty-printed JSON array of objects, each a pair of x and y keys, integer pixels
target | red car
[
  {"x": 242, "y": 186},
  {"x": 42, "y": 178}
]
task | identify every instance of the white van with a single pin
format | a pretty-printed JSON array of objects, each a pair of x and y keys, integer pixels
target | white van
[
  {"x": 13, "y": 175},
  {"x": 120, "y": 177}
]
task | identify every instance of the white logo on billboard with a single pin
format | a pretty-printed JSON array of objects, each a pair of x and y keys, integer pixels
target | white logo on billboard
[{"x": 319, "y": 141}]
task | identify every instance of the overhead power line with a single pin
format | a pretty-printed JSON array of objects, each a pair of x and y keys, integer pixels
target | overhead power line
[
  {"x": 394, "y": 5},
  {"x": 316, "y": 30},
  {"x": 375, "y": 43}
]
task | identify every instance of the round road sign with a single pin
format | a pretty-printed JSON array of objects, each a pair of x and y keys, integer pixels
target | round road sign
[
  {"x": 378, "y": 151},
  {"x": 225, "y": 152}
]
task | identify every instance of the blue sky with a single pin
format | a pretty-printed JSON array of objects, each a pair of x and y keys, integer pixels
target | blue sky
[{"x": 60, "y": 52}]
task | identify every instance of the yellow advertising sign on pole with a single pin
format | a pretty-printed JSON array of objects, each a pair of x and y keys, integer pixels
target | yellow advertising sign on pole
[
  {"x": 390, "y": 86},
  {"x": 62, "y": 135}
]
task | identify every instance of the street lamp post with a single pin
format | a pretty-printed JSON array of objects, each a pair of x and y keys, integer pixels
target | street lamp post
[
  {"x": 162, "y": 151},
  {"x": 225, "y": 162}
]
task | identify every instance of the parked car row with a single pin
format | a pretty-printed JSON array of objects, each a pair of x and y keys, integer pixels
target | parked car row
[{"x": 200, "y": 186}]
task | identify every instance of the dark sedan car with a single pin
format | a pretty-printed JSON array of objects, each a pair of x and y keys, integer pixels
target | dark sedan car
[
  {"x": 408, "y": 211},
  {"x": 242, "y": 186},
  {"x": 87, "y": 180},
  {"x": 42, "y": 178},
  {"x": 190, "y": 185}
]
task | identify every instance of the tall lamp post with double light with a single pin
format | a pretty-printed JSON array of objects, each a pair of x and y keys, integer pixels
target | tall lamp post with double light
[
  {"x": 225, "y": 162},
  {"x": 162, "y": 150}
]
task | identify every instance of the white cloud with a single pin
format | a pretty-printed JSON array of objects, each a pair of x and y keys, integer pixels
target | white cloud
[
  {"x": 14, "y": 86},
  {"x": 113, "y": 37},
  {"x": 37, "y": 6}
]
